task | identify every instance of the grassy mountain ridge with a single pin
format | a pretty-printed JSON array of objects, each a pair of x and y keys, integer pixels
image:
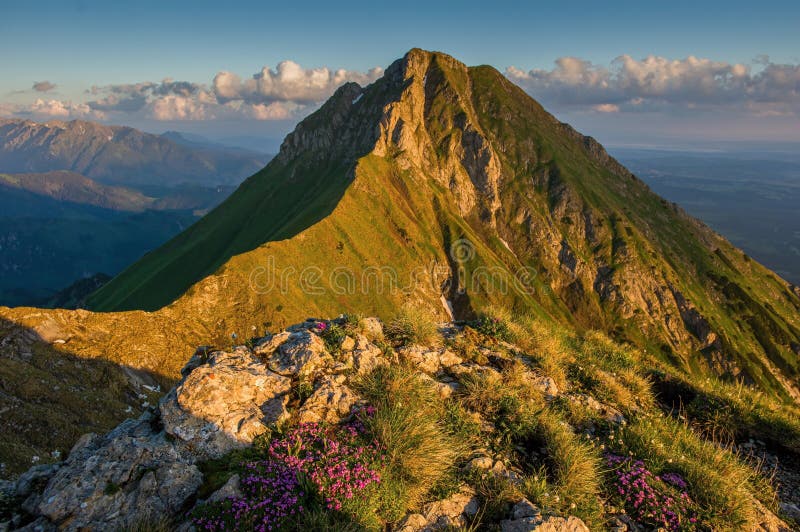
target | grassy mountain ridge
[
  {"x": 70, "y": 187},
  {"x": 463, "y": 153}
]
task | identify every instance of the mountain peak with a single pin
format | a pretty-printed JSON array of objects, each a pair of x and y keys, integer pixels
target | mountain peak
[{"x": 436, "y": 154}]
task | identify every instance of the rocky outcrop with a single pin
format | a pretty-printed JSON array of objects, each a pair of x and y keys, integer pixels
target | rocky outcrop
[
  {"x": 151, "y": 468},
  {"x": 331, "y": 402},
  {"x": 118, "y": 480},
  {"x": 299, "y": 354},
  {"x": 467, "y": 165},
  {"x": 527, "y": 517},
  {"x": 148, "y": 467},
  {"x": 453, "y": 512},
  {"x": 224, "y": 403}
]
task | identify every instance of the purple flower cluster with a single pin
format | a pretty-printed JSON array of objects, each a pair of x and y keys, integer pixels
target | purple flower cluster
[
  {"x": 657, "y": 500},
  {"x": 272, "y": 494},
  {"x": 332, "y": 458},
  {"x": 331, "y": 463}
]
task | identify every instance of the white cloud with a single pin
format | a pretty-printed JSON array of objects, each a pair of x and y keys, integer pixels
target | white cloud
[
  {"x": 658, "y": 83},
  {"x": 606, "y": 108},
  {"x": 288, "y": 82},
  {"x": 60, "y": 109},
  {"x": 174, "y": 107},
  {"x": 272, "y": 111},
  {"x": 282, "y": 93}
]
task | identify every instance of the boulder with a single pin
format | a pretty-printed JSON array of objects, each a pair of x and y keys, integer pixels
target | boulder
[
  {"x": 115, "y": 481},
  {"x": 412, "y": 523},
  {"x": 525, "y": 508},
  {"x": 448, "y": 359},
  {"x": 331, "y": 402},
  {"x": 548, "y": 524},
  {"x": 453, "y": 511},
  {"x": 348, "y": 344},
  {"x": 547, "y": 386},
  {"x": 302, "y": 354},
  {"x": 225, "y": 403},
  {"x": 366, "y": 356},
  {"x": 422, "y": 358},
  {"x": 267, "y": 345},
  {"x": 372, "y": 328},
  {"x": 34, "y": 478},
  {"x": 230, "y": 490},
  {"x": 526, "y": 517}
]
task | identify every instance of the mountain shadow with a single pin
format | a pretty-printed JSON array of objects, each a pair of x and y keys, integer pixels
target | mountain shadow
[
  {"x": 297, "y": 189},
  {"x": 50, "y": 396}
]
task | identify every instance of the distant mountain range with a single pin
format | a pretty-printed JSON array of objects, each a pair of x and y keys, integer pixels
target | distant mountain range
[
  {"x": 120, "y": 155},
  {"x": 79, "y": 199},
  {"x": 69, "y": 187}
]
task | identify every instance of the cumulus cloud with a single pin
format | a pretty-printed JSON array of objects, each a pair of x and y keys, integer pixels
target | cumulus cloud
[
  {"x": 43, "y": 86},
  {"x": 288, "y": 82},
  {"x": 606, "y": 108},
  {"x": 281, "y": 93},
  {"x": 133, "y": 97},
  {"x": 59, "y": 109},
  {"x": 657, "y": 83},
  {"x": 175, "y": 107}
]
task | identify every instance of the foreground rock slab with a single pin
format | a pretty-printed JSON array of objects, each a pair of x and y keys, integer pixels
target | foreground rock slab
[
  {"x": 114, "y": 480},
  {"x": 225, "y": 403},
  {"x": 147, "y": 468}
]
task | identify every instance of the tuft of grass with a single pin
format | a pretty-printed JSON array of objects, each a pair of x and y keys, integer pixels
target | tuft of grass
[
  {"x": 721, "y": 483},
  {"x": 413, "y": 325},
  {"x": 333, "y": 335},
  {"x": 409, "y": 423},
  {"x": 573, "y": 471},
  {"x": 497, "y": 495},
  {"x": 493, "y": 326},
  {"x": 466, "y": 345}
]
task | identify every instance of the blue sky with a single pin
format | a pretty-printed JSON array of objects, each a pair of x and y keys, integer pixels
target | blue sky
[{"x": 120, "y": 47}]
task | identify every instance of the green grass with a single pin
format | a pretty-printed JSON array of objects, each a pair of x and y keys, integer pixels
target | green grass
[
  {"x": 412, "y": 325},
  {"x": 723, "y": 486},
  {"x": 410, "y": 424}
]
